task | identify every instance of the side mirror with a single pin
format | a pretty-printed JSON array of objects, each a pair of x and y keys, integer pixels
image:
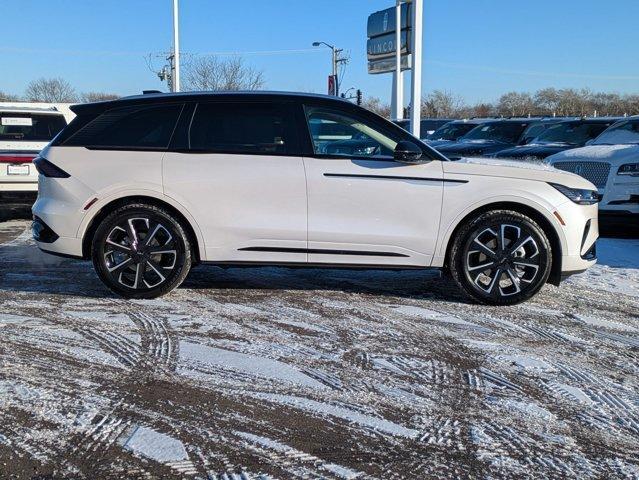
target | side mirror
[{"x": 407, "y": 152}]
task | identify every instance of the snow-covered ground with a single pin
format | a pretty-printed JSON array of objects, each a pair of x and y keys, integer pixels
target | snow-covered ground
[{"x": 279, "y": 373}]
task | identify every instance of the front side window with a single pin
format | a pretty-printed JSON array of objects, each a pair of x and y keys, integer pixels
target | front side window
[
  {"x": 498, "y": 131},
  {"x": 258, "y": 128},
  {"x": 30, "y": 127},
  {"x": 337, "y": 133},
  {"x": 451, "y": 131},
  {"x": 571, "y": 133},
  {"x": 134, "y": 127},
  {"x": 621, "y": 133}
]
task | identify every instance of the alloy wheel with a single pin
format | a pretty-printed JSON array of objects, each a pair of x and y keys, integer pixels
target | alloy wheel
[
  {"x": 140, "y": 253},
  {"x": 502, "y": 260}
]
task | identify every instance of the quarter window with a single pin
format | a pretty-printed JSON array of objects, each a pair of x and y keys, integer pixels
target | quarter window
[
  {"x": 242, "y": 128},
  {"x": 336, "y": 133},
  {"x": 130, "y": 127}
]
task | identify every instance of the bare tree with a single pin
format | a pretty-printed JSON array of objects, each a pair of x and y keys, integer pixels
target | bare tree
[
  {"x": 547, "y": 101},
  {"x": 8, "y": 97},
  {"x": 211, "y": 73},
  {"x": 442, "y": 104},
  {"x": 516, "y": 104},
  {"x": 88, "y": 97},
  {"x": 50, "y": 90},
  {"x": 375, "y": 105},
  {"x": 482, "y": 110}
]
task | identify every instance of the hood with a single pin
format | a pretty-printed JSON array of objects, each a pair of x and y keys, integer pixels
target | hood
[
  {"x": 474, "y": 147},
  {"x": 497, "y": 167},
  {"x": 437, "y": 143},
  {"x": 537, "y": 150},
  {"x": 614, "y": 154}
]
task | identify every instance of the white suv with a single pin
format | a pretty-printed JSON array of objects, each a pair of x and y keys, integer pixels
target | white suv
[
  {"x": 148, "y": 186},
  {"x": 24, "y": 130},
  {"x": 611, "y": 162}
]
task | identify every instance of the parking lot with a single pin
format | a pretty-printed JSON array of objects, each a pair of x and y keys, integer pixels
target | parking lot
[{"x": 291, "y": 373}]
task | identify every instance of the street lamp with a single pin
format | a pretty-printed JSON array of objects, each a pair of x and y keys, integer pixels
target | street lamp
[{"x": 336, "y": 52}]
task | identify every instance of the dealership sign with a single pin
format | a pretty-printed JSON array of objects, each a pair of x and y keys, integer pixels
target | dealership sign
[{"x": 381, "y": 40}]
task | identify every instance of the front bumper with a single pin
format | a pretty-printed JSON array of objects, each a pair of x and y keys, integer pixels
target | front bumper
[{"x": 581, "y": 231}]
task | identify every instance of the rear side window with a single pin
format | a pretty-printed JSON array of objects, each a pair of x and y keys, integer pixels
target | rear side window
[
  {"x": 261, "y": 128},
  {"x": 135, "y": 127},
  {"x": 30, "y": 127}
]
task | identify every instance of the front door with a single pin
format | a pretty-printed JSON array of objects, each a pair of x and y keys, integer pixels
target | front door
[{"x": 363, "y": 206}]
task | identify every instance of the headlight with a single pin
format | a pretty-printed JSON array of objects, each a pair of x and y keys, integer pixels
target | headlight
[
  {"x": 578, "y": 195},
  {"x": 631, "y": 169}
]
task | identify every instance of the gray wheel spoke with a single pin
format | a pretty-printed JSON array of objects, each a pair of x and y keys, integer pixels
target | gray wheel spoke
[
  {"x": 484, "y": 249},
  {"x": 156, "y": 269},
  {"x": 117, "y": 268},
  {"x": 119, "y": 247},
  {"x": 482, "y": 267},
  {"x": 139, "y": 273},
  {"x": 514, "y": 278}
]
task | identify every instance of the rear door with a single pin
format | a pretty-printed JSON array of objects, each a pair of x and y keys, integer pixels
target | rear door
[
  {"x": 241, "y": 175},
  {"x": 363, "y": 206}
]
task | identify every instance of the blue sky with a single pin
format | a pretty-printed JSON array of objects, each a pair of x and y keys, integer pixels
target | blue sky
[{"x": 475, "y": 48}]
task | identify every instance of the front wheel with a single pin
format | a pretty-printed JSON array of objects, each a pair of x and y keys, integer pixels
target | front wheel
[
  {"x": 141, "y": 251},
  {"x": 501, "y": 257}
]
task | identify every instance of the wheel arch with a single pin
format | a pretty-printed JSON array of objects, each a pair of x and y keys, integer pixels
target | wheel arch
[
  {"x": 540, "y": 218},
  {"x": 193, "y": 232}
]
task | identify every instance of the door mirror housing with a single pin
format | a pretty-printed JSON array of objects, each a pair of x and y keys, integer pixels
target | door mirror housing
[{"x": 407, "y": 152}]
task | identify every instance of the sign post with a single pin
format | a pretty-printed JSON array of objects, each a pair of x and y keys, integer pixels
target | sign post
[
  {"x": 394, "y": 45},
  {"x": 416, "y": 73},
  {"x": 397, "y": 110}
]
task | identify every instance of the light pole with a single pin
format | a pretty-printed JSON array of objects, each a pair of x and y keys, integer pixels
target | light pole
[
  {"x": 336, "y": 60},
  {"x": 176, "y": 48}
]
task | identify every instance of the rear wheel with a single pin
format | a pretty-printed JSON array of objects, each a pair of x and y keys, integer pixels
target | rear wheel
[
  {"x": 501, "y": 257},
  {"x": 141, "y": 251}
]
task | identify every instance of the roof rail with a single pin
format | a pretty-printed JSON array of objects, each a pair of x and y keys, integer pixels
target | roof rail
[{"x": 147, "y": 92}]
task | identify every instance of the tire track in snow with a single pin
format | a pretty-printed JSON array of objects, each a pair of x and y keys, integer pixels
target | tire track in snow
[{"x": 158, "y": 343}]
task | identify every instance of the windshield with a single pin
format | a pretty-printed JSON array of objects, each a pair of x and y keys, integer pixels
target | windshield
[
  {"x": 451, "y": 131},
  {"x": 621, "y": 133},
  {"x": 498, "y": 131},
  {"x": 571, "y": 133},
  {"x": 30, "y": 127}
]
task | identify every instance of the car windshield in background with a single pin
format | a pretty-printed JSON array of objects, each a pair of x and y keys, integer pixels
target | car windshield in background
[
  {"x": 29, "y": 127},
  {"x": 626, "y": 133},
  {"x": 571, "y": 133},
  {"x": 452, "y": 131},
  {"x": 498, "y": 131}
]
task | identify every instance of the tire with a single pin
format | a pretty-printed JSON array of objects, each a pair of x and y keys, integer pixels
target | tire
[
  {"x": 141, "y": 251},
  {"x": 500, "y": 257}
]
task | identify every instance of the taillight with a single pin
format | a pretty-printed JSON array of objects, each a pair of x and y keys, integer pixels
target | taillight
[
  {"x": 16, "y": 157},
  {"x": 48, "y": 169}
]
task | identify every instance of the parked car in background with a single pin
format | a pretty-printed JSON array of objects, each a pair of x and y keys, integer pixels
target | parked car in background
[
  {"x": 558, "y": 137},
  {"x": 426, "y": 127},
  {"x": 171, "y": 180},
  {"x": 611, "y": 162},
  {"x": 492, "y": 136},
  {"x": 453, "y": 131},
  {"x": 24, "y": 131}
]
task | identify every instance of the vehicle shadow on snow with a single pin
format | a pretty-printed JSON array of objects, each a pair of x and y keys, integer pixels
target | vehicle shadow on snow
[
  {"x": 27, "y": 270},
  {"x": 417, "y": 284}
]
